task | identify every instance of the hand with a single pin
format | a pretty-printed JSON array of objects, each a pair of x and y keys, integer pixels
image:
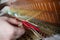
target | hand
[{"x": 8, "y": 30}]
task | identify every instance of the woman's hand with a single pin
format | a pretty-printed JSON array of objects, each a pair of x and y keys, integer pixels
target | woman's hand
[{"x": 9, "y": 29}]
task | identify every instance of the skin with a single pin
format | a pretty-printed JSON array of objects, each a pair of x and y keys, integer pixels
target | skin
[{"x": 7, "y": 29}]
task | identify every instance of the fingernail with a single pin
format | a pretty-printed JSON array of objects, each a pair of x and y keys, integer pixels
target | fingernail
[{"x": 20, "y": 25}]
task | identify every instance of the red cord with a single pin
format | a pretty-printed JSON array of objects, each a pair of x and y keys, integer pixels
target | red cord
[{"x": 28, "y": 25}]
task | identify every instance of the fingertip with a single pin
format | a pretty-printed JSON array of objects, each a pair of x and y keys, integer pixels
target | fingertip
[{"x": 12, "y": 21}]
